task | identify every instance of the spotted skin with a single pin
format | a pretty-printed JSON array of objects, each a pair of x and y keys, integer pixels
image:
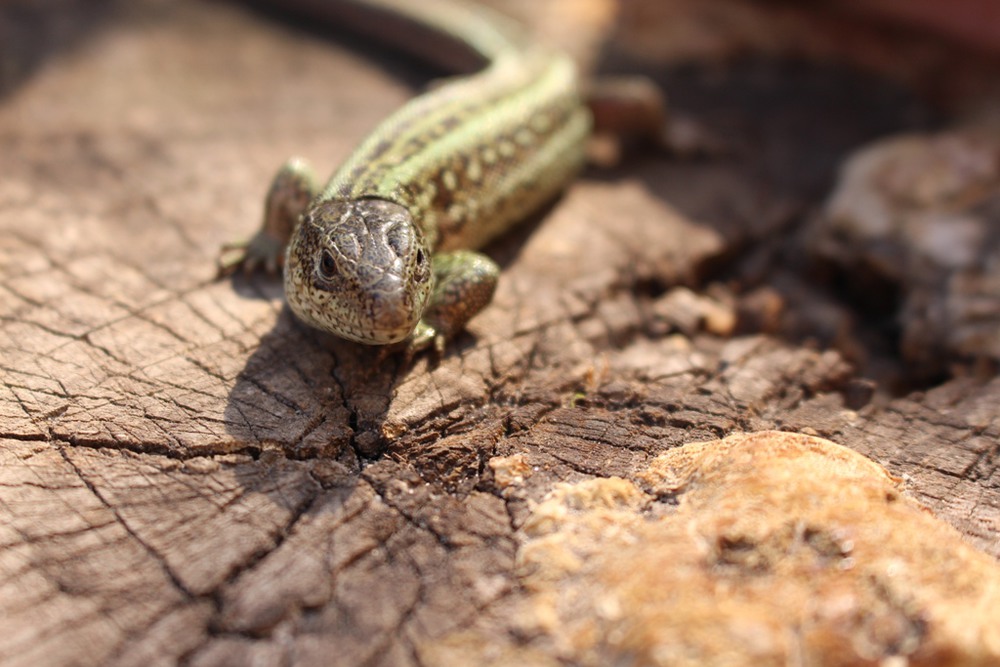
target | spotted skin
[
  {"x": 364, "y": 252},
  {"x": 385, "y": 252}
]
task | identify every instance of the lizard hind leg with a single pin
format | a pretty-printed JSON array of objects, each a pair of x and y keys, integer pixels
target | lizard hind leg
[
  {"x": 629, "y": 107},
  {"x": 464, "y": 283},
  {"x": 292, "y": 188},
  {"x": 632, "y": 110}
]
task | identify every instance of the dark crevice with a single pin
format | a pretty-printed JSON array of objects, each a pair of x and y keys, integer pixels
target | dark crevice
[
  {"x": 177, "y": 453},
  {"x": 26, "y": 437}
]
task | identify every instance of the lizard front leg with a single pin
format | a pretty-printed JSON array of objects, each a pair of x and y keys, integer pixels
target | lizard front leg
[
  {"x": 464, "y": 282},
  {"x": 292, "y": 188}
]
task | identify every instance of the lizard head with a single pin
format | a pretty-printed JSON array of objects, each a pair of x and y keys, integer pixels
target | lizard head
[{"x": 358, "y": 269}]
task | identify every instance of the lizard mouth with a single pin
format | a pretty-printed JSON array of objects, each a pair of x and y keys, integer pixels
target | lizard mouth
[
  {"x": 393, "y": 317},
  {"x": 389, "y": 317}
]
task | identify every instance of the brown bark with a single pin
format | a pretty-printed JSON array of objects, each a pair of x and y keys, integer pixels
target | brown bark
[{"x": 188, "y": 475}]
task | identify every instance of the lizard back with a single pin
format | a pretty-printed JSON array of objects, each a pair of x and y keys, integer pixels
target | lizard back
[{"x": 475, "y": 155}]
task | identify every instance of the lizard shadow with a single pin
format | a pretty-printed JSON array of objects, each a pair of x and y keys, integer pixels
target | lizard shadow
[{"x": 310, "y": 394}]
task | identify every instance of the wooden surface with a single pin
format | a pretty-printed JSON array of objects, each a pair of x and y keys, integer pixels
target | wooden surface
[{"x": 188, "y": 475}]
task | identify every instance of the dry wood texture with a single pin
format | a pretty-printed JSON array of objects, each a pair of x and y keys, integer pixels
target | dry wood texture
[{"x": 189, "y": 476}]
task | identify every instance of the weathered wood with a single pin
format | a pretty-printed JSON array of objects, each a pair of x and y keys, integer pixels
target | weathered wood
[{"x": 190, "y": 476}]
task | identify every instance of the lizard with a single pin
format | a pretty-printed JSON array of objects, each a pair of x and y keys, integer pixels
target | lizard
[{"x": 388, "y": 251}]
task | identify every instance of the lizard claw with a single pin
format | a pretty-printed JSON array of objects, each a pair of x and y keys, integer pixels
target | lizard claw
[
  {"x": 423, "y": 337},
  {"x": 262, "y": 252}
]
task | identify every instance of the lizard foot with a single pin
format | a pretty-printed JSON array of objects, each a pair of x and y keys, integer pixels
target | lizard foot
[
  {"x": 262, "y": 252},
  {"x": 291, "y": 191}
]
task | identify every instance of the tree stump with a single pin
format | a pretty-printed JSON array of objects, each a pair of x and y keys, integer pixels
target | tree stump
[{"x": 189, "y": 476}]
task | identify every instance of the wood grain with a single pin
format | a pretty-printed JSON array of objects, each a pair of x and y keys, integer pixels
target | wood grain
[{"x": 190, "y": 477}]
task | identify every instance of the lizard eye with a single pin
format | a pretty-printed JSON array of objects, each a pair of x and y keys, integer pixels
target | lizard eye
[{"x": 328, "y": 265}]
